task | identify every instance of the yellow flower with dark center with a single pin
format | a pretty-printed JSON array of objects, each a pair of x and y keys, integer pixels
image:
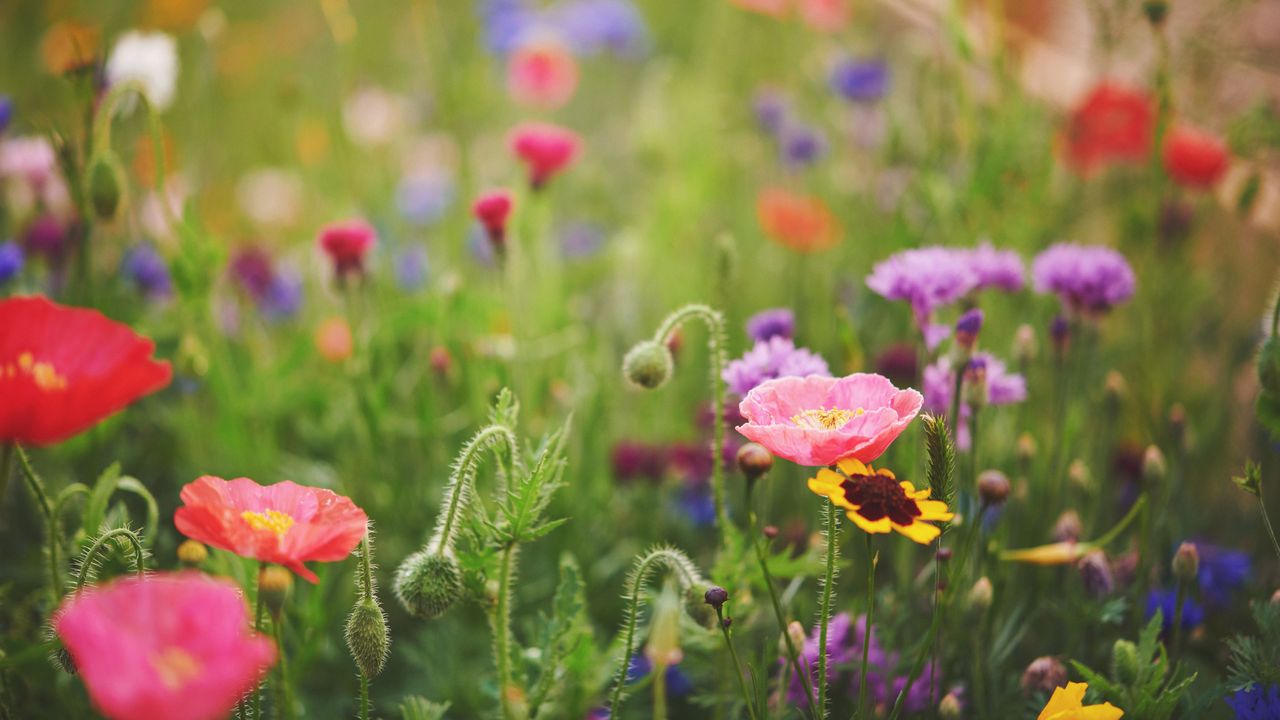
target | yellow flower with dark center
[
  {"x": 1068, "y": 704},
  {"x": 877, "y": 502}
]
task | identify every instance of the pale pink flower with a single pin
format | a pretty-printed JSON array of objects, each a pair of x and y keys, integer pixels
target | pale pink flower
[
  {"x": 542, "y": 73},
  {"x": 817, "y": 421},
  {"x": 174, "y": 646}
]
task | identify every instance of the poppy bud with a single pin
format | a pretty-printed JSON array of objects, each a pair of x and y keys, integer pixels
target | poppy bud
[
  {"x": 944, "y": 554},
  {"x": 770, "y": 531},
  {"x": 950, "y": 708},
  {"x": 1186, "y": 563},
  {"x": 754, "y": 460},
  {"x": 106, "y": 186},
  {"x": 1024, "y": 344},
  {"x": 192, "y": 554},
  {"x": 1154, "y": 467},
  {"x": 1043, "y": 675},
  {"x": 716, "y": 597},
  {"x": 428, "y": 583},
  {"x": 648, "y": 364},
  {"x": 1125, "y": 664},
  {"x": 980, "y": 595},
  {"x": 274, "y": 584},
  {"x": 1026, "y": 448},
  {"x": 993, "y": 487},
  {"x": 663, "y": 648},
  {"x": 367, "y": 636},
  {"x": 440, "y": 360},
  {"x": 1156, "y": 11},
  {"x": 1095, "y": 574}
]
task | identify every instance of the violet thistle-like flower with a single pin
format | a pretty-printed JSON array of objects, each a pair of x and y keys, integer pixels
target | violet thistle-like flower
[
  {"x": 928, "y": 278},
  {"x": 860, "y": 81},
  {"x": 1088, "y": 279},
  {"x": 774, "y": 322},
  {"x": 769, "y": 359}
]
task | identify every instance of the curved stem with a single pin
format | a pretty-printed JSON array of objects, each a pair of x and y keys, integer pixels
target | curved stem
[
  {"x": 686, "y": 575},
  {"x": 501, "y": 619},
  {"x": 139, "y": 556},
  {"x": 463, "y": 477},
  {"x": 866, "y": 628},
  {"x": 258, "y": 609},
  {"x": 828, "y": 590}
]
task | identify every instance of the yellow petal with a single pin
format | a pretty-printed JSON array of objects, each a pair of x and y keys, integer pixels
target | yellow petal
[
  {"x": 934, "y": 510},
  {"x": 1065, "y": 703},
  {"x": 921, "y": 532},
  {"x": 912, "y": 492},
  {"x": 1053, "y": 554},
  {"x": 872, "y": 526},
  {"x": 819, "y": 488},
  {"x": 887, "y": 471},
  {"x": 1105, "y": 711},
  {"x": 853, "y": 466}
]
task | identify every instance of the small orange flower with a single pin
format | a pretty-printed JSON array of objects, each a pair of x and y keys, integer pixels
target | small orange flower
[
  {"x": 800, "y": 222},
  {"x": 69, "y": 46},
  {"x": 877, "y": 502},
  {"x": 333, "y": 340}
]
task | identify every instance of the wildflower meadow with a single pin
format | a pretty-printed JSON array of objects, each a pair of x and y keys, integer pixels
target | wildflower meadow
[{"x": 587, "y": 359}]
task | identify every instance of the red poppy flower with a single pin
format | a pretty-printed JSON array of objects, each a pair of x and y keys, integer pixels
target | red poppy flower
[
  {"x": 1194, "y": 158},
  {"x": 284, "y": 523},
  {"x": 800, "y": 222},
  {"x": 545, "y": 149},
  {"x": 1113, "y": 124},
  {"x": 493, "y": 209},
  {"x": 347, "y": 243},
  {"x": 64, "y": 369}
]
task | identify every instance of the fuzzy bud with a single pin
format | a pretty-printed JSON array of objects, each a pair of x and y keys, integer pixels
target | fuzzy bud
[
  {"x": 1096, "y": 575},
  {"x": 1125, "y": 664},
  {"x": 770, "y": 532},
  {"x": 106, "y": 186},
  {"x": 993, "y": 487},
  {"x": 1043, "y": 675},
  {"x": 754, "y": 460},
  {"x": 649, "y": 364},
  {"x": 1068, "y": 528},
  {"x": 368, "y": 637},
  {"x": 428, "y": 583},
  {"x": 716, "y": 597},
  {"x": 980, "y": 595},
  {"x": 1154, "y": 467},
  {"x": 274, "y": 585},
  {"x": 192, "y": 554},
  {"x": 1186, "y": 563}
]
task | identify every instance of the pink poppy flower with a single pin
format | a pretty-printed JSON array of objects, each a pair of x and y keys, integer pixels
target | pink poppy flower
[
  {"x": 346, "y": 243},
  {"x": 493, "y": 210},
  {"x": 818, "y": 421},
  {"x": 546, "y": 149},
  {"x": 175, "y": 646},
  {"x": 542, "y": 73}
]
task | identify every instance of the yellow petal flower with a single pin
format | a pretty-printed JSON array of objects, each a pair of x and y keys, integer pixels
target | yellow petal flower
[
  {"x": 1068, "y": 704},
  {"x": 1053, "y": 554}
]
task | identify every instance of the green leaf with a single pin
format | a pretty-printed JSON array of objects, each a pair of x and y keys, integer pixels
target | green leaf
[{"x": 415, "y": 707}]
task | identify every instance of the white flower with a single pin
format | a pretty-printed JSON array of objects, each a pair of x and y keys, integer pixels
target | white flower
[
  {"x": 374, "y": 116},
  {"x": 270, "y": 197},
  {"x": 150, "y": 59}
]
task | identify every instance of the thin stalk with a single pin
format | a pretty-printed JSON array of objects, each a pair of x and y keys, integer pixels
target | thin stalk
[
  {"x": 828, "y": 590},
  {"x": 283, "y": 698},
  {"x": 6, "y": 467},
  {"x": 792, "y": 656},
  {"x": 866, "y": 629},
  {"x": 737, "y": 665},
  {"x": 660, "y": 692},
  {"x": 364, "y": 697},
  {"x": 51, "y": 520},
  {"x": 258, "y": 610},
  {"x": 464, "y": 477},
  {"x": 1177, "y": 618},
  {"x": 139, "y": 556},
  {"x": 501, "y": 620},
  {"x": 1266, "y": 521}
]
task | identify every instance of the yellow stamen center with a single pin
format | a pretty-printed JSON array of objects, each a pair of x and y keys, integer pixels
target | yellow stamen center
[
  {"x": 176, "y": 667},
  {"x": 824, "y": 419},
  {"x": 43, "y": 374},
  {"x": 273, "y": 520}
]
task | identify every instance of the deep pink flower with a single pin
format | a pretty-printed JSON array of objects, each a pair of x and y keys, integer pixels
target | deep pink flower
[
  {"x": 817, "y": 421},
  {"x": 542, "y": 73},
  {"x": 174, "y": 646},
  {"x": 546, "y": 149},
  {"x": 346, "y": 243},
  {"x": 493, "y": 209}
]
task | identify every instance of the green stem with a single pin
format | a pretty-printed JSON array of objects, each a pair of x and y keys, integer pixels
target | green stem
[
  {"x": 139, "y": 556},
  {"x": 501, "y": 620},
  {"x": 737, "y": 665},
  {"x": 463, "y": 478},
  {"x": 1177, "y": 618},
  {"x": 659, "y": 692},
  {"x": 866, "y": 629},
  {"x": 828, "y": 590},
  {"x": 1266, "y": 520},
  {"x": 51, "y": 520},
  {"x": 284, "y": 700},
  {"x": 366, "y": 566},
  {"x": 258, "y": 610},
  {"x": 6, "y": 467},
  {"x": 364, "y": 697},
  {"x": 792, "y": 655}
]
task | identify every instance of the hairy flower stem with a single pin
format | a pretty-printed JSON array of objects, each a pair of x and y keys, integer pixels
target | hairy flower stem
[
  {"x": 51, "y": 521},
  {"x": 91, "y": 556},
  {"x": 737, "y": 664},
  {"x": 714, "y": 321},
  {"x": 792, "y": 655},
  {"x": 464, "y": 474},
  {"x": 366, "y": 592},
  {"x": 872, "y": 561},
  {"x": 500, "y": 618},
  {"x": 828, "y": 591},
  {"x": 364, "y": 696},
  {"x": 258, "y": 612}
]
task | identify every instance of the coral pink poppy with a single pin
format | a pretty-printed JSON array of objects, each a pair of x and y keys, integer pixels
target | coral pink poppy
[
  {"x": 817, "y": 420},
  {"x": 284, "y": 523},
  {"x": 826, "y": 15},
  {"x": 1113, "y": 124},
  {"x": 172, "y": 646},
  {"x": 800, "y": 222},
  {"x": 64, "y": 369},
  {"x": 1194, "y": 158},
  {"x": 346, "y": 243},
  {"x": 542, "y": 73},
  {"x": 493, "y": 209},
  {"x": 333, "y": 339},
  {"x": 546, "y": 149}
]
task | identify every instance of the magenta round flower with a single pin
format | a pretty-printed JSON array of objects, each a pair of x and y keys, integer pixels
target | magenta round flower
[
  {"x": 1090, "y": 279},
  {"x": 817, "y": 421},
  {"x": 172, "y": 646}
]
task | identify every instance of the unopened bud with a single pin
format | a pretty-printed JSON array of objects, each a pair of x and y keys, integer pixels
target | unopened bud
[
  {"x": 648, "y": 364},
  {"x": 716, "y": 597},
  {"x": 1068, "y": 528},
  {"x": 1154, "y": 467},
  {"x": 192, "y": 554},
  {"x": 1095, "y": 574},
  {"x": 1275, "y": 597},
  {"x": 754, "y": 460},
  {"x": 1186, "y": 563},
  {"x": 967, "y": 329},
  {"x": 1115, "y": 387},
  {"x": 106, "y": 186},
  {"x": 1043, "y": 675},
  {"x": 1026, "y": 448},
  {"x": 1024, "y": 344},
  {"x": 274, "y": 584},
  {"x": 975, "y": 383},
  {"x": 727, "y": 623},
  {"x": 1060, "y": 332},
  {"x": 428, "y": 583},
  {"x": 950, "y": 708},
  {"x": 663, "y": 648},
  {"x": 944, "y": 554},
  {"x": 1079, "y": 475},
  {"x": 1125, "y": 664},
  {"x": 367, "y": 636},
  {"x": 1156, "y": 11},
  {"x": 440, "y": 360},
  {"x": 796, "y": 632},
  {"x": 993, "y": 487},
  {"x": 770, "y": 531},
  {"x": 980, "y": 595}
]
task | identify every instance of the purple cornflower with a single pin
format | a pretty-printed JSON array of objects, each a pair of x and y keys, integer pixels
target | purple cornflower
[
  {"x": 580, "y": 240},
  {"x": 860, "y": 80},
  {"x": 597, "y": 26},
  {"x": 11, "y": 260},
  {"x": 411, "y": 268},
  {"x": 148, "y": 271},
  {"x": 967, "y": 328},
  {"x": 1255, "y": 702},
  {"x": 634, "y": 461},
  {"x": 1166, "y": 601},
  {"x": 678, "y": 684},
  {"x": 283, "y": 297},
  {"x": 1089, "y": 279},
  {"x": 801, "y": 145},
  {"x": 772, "y": 323},
  {"x": 996, "y": 269},
  {"x": 6, "y": 112},
  {"x": 1002, "y": 388},
  {"x": 842, "y": 647},
  {"x": 49, "y": 238},
  {"x": 928, "y": 278},
  {"x": 772, "y": 109},
  {"x": 769, "y": 359},
  {"x": 251, "y": 269}
]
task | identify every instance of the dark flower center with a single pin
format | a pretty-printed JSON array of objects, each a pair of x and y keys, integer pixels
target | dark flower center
[{"x": 878, "y": 496}]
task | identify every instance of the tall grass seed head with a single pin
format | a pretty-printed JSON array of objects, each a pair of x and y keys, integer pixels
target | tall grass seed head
[
  {"x": 368, "y": 638},
  {"x": 428, "y": 583},
  {"x": 649, "y": 364},
  {"x": 1125, "y": 664}
]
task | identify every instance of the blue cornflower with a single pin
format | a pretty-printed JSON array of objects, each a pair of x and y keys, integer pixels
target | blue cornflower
[
  {"x": 801, "y": 145},
  {"x": 1255, "y": 702},
  {"x": 283, "y": 296},
  {"x": 412, "y": 267},
  {"x": 1166, "y": 601},
  {"x": 148, "y": 271},
  {"x": 6, "y": 111},
  {"x": 772, "y": 109},
  {"x": 678, "y": 684},
  {"x": 580, "y": 240},
  {"x": 11, "y": 260},
  {"x": 861, "y": 80},
  {"x": 1222, "y": 572},
  {"x": 771, "y": 323}
]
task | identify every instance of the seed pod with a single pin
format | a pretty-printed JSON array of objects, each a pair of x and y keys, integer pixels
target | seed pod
[
  {"x": 428, "y": 583},
  {"x": 367, "y": 636}
]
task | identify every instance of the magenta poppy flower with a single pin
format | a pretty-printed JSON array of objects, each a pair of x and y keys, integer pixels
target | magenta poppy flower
[
  {"x": 175, "y": 646},
  {"x": 817, "y": 421}
]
